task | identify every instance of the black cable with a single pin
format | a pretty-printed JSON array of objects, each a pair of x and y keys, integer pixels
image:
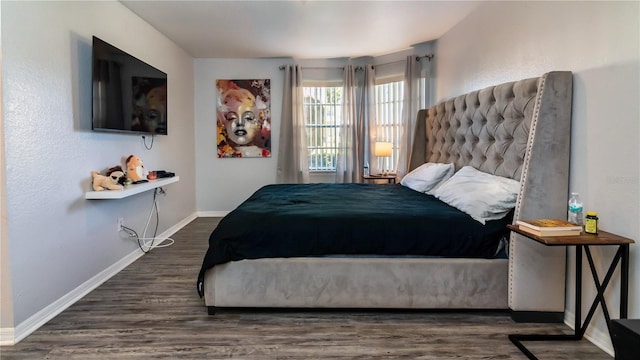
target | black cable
[
  {"x": 144, "y": 141},
  {"x": 129, "y": 230},
  {"x": 133, "y": 233},
  {"x": 155, "y": 205}
]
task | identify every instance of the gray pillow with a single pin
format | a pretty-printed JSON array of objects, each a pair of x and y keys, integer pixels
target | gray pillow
[
  {"x": 483, "y": 196},
  {"x": 427, "y": 177}
]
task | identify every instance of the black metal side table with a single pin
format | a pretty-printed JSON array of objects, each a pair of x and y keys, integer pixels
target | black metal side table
[
  {"x": 583, "y": 242},
  {"x": 391, "y": 178}
]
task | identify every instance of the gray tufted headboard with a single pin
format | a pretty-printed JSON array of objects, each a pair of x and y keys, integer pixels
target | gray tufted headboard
[{"x": 519, "y": 130}]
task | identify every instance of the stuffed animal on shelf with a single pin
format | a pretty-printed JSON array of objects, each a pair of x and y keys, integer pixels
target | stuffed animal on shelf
[
  {"x": 112, "y": 181},
  {"x": 135, "y": 169}
]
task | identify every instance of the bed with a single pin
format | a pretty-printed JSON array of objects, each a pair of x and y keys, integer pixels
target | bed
[{"x": 518, "y": 131}]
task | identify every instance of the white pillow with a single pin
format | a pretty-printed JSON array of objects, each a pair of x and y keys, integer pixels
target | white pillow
[
  {"x": 483, "y": 196},
  {"x": 427, "y": 176}
]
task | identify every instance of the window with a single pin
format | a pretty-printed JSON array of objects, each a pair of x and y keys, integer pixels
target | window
[
  {"x": 389, "y": 98},
  {"x": 323, "y": 115}
]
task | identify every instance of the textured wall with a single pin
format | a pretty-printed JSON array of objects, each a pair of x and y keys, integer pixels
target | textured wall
[
  {"x": 224, "y": 183},
  {"x": 599, "y": 42},
  {"x": 57, "y": 239},
  {"x": 6, "y": 303}
]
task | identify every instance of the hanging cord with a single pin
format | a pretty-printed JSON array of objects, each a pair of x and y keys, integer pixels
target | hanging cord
[
  {"x": 144, "y": 141},
  {"x": 144, "y": 243}
]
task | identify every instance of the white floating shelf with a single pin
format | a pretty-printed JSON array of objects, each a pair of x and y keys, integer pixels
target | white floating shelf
[{"x": 130, "y": 190}]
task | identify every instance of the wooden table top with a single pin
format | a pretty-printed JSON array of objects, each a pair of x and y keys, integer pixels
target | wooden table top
[
  {"x": 601, "y": 238},
  {"x": 379, "y": 176}
]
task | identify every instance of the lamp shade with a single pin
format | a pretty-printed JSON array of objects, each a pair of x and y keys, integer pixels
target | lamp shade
[{"x": 382, "y": 149}]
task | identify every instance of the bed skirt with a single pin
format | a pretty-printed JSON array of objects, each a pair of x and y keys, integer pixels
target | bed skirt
[{"x": 403, "y": 283}]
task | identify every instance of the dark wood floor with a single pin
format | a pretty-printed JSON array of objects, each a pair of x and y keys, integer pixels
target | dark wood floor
[{"x": 151, "y": 311}]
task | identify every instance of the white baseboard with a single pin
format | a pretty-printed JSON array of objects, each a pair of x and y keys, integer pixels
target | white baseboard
[
  {"x": 212, "y": 213},
  {"x": 6, "y": 337},
  {"x": 596, "y": 336},
  {"x": 40, "y": 318}
]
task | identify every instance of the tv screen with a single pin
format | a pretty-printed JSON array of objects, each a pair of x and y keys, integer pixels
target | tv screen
[{"x": 129, "y": 95}]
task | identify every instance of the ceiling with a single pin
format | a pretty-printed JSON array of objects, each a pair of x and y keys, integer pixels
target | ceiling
[{"x": 301, "y": 29}]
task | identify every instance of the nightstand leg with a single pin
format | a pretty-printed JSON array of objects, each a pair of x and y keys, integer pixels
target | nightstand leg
[
  {"x": 578, "y": 307},
  {"x": 601, "y": 287},
  {"x": 624, "y": 281}
]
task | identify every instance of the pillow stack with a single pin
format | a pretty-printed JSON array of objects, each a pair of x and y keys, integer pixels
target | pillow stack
[
  {"x": 427, "y": 177},
  {"x": 482, "y": 196}
]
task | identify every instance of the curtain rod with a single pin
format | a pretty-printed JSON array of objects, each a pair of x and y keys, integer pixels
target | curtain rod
[
  {"x": 389, "y": 63},
  {"x": 323, "y": 68},
  {"x": 428, "y": 56},
  {"x": 418, "y": 58}
]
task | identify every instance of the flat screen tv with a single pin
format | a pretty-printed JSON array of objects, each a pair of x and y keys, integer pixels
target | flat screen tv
[{"x": 129, "y": 95}]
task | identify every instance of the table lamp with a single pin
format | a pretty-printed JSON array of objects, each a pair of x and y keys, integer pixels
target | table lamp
[{"x": 382, "y": 149}]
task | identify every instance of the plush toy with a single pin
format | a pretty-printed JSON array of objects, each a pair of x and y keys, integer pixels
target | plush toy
[
  {"x": 113, "y": 181},
  {"x": 135, "y": 169},
  {"x": 114, "y": 169}
]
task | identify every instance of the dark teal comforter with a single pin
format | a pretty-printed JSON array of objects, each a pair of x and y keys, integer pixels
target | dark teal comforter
[{"x": 293, "y": 220}]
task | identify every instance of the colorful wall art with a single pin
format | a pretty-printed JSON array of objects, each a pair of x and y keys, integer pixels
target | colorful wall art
[{"x": 243, "y": 118}]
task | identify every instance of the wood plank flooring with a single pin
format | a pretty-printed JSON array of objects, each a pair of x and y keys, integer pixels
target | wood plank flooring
[{"x": 151, "y": 311}]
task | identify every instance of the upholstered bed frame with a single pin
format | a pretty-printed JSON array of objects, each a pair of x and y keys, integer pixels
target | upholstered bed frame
[{"x": 519, "y": 130}]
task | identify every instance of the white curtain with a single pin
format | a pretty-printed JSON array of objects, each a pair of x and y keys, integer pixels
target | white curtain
[
  {"x": 358, "y": 128},
  {"x": 349, "y": 157},
  {"x": 415, "y": 98},
  {"x": 293, "y": 161},
  {"x": 368, "y": 117}
]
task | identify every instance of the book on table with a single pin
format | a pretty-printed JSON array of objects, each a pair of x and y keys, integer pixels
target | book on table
[{"x": 549, "y": 227}]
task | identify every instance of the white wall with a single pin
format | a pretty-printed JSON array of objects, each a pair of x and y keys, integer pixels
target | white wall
[
  {"x": 6, "y": 303},
  {"x": 224, "y": 183},
  {"x": 599, "y": 42},
  {"x": 57, "y": 240}
]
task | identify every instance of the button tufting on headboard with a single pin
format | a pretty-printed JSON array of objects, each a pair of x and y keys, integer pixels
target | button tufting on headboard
[{"x": 487, "y": 129}]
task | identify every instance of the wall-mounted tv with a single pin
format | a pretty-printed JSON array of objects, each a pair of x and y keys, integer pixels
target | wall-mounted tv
[{"x": 129, "y": 95}]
